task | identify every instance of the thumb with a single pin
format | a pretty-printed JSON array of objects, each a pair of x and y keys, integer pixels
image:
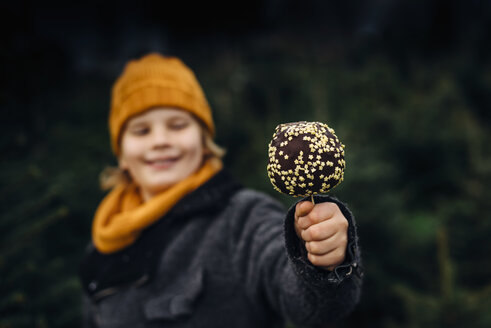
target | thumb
[{"x": 303, "y": 208}]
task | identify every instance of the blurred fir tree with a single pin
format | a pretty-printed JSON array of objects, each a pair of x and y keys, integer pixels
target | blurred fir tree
[{"x": 48, "y": 194}]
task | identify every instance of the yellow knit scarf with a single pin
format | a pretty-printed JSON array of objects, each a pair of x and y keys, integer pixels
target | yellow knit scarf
[{"x": 122, "y": 215}]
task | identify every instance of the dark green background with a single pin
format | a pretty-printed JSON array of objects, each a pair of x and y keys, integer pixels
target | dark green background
[{"x": 405, "y": 84}]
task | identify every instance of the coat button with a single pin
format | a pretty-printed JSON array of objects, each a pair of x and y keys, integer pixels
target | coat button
[{"x": 93, "y": 285}]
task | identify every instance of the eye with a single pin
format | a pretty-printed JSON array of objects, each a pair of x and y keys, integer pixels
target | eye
[
  {"x": 178, "y": 124},
  {"x": 140, "y": 131}
]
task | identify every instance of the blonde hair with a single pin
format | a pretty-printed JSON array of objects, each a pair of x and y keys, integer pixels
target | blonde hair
[{"x": 112, "y": 176}]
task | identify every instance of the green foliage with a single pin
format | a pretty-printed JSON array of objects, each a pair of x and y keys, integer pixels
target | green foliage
[
  {"x": 418, "y": 167},
  {"x": 47, "y": 197}
]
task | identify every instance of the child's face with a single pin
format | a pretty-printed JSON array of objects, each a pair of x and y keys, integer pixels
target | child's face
[{"x": 161, "y": 147}]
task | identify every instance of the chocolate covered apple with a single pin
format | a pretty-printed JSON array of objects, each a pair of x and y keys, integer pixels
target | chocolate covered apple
[{"x": 305, "y": 158}]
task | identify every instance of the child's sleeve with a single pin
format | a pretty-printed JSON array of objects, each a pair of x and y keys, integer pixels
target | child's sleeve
[
  {"x": 298, "y": 254},
  {"x": 285, "y": 279}
]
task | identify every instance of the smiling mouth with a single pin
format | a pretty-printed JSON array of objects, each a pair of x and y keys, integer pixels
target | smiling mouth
[{"x": 163, "y": 163}]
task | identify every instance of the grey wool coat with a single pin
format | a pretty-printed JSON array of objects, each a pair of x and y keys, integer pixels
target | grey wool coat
[{"x": 224, "y": 256}]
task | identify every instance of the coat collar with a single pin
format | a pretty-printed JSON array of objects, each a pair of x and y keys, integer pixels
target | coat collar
[{"x": 102, "y": 274}]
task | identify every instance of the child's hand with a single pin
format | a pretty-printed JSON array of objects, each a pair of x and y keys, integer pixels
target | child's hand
[{"x": 325, "y": 231}]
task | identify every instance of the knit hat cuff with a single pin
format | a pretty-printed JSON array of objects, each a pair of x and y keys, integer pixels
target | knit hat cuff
[{"x": 155, "y": 95}]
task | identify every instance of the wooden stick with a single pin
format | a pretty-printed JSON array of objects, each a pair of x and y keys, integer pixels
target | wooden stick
[{"x": 312, "y": 198}]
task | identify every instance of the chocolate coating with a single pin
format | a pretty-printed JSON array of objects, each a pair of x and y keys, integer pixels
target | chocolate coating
[{"x": 305, "y": 158}]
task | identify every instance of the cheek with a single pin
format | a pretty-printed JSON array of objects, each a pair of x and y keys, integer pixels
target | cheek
[
  {"x": 199, "y": 148},
  {"x": 130, "y": 150},
  {"x": 193, "y": 143}
]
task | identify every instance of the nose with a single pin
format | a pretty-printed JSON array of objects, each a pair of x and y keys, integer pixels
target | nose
[{"x": 160, "y": 138}]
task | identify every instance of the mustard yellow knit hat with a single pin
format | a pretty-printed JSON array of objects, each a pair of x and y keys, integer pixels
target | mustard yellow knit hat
[{"x": 155, "y": 80}]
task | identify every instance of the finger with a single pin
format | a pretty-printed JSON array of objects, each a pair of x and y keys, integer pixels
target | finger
[
  {"x": 329, "y": 260},
  {"x": 303, "y": 208},
  {"x": 320, "y": 212},
  {"x": 320, "y": 231},
  {"x": 324, "y": 211},
  {"x": 320, "y": 247},
  {"x": 326, "y": 246}
]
